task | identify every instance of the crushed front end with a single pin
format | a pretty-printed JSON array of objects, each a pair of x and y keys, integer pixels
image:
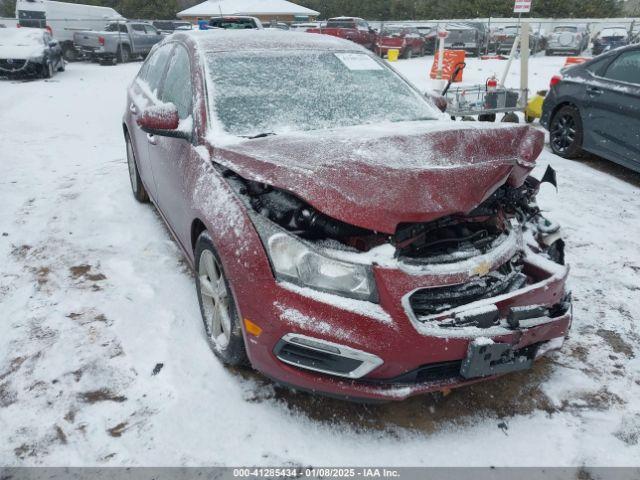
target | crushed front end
[{"x": 434, "y": 306}]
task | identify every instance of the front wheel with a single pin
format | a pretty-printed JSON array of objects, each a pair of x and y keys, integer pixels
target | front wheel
[
  {"x": 565, "y": 132},
  {"x": 47, "y": 70},
  {"x": 217, "y": 305},
  {"x": 137, "y": 187}
]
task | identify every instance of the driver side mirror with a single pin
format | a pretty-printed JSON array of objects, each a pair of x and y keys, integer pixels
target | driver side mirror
[
  {"x": 53, "y": 43},
  {"x": 163, "y": 120}
]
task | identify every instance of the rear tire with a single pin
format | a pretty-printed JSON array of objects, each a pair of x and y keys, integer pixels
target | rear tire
[
  {"x": 61, "y": 65},
  {"x": 70, "y": 54},
  {"x": 217, "y": 305},
  {"x": 566, "y": 133},
  {"x": 139, "y": 192},
  {"x": 510, "y": 117}
]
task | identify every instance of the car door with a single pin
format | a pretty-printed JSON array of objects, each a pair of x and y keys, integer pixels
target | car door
[
  {"x": 613, "y": 99},
  {"x": 139, "y": 38},
  {"x": 144, "y": 95},
  {"x": 168, "y": 156},
  {"x": 152, "y": 36}
]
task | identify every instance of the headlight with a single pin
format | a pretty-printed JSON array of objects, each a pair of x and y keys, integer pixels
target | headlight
[{"x": 295, "y": 261}]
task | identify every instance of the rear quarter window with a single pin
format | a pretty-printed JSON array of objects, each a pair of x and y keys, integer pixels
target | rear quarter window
[{"x": 625, "y": 68}]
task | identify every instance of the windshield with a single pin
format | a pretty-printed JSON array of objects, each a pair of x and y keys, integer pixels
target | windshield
[
  {"x": 392, "y": 30},
  {"x": 341, "y": 24},
  {"x": 114, "y": 27},
  {"x": 565, "y": 29},
  {"x": 274, "y": 92},
  {"x": 232, "y": 23},
  {"x": 613, "y": 32}
]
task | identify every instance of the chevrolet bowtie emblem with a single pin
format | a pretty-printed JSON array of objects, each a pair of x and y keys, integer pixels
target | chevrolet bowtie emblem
[{"x": 481, "y": 269}]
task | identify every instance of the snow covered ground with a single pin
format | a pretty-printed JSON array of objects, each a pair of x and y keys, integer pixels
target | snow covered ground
[{"x": 103, "y": 359}]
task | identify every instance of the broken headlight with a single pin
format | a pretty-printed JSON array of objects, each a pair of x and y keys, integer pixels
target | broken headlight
[
  {"x": 299, "y": 262},
  {"x": 295, "y": 261}
]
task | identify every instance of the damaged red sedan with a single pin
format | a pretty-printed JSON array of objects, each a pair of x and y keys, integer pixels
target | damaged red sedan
[{"x": 347, "y": 238}]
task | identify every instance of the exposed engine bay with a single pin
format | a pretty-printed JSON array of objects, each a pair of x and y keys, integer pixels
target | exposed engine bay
[{"x": 449, "y": 239}]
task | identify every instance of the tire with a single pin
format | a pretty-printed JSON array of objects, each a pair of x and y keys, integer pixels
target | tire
[
  {"x": 61, "y": 65},
  {"x": 217, "y": 305},
  {"x": 124, "y": 54},
  {"x": 487, "y": 117},
  {"x": 408, "y": 54},
  {"x": 47, "y": 70},
  {"x": 566, "y": 133},
  {"x": 510, "y": 117},
  {"x": 548, "y": 53},
  {"x": 70, "y": 54},
  {"x": 139, "y": 192}
]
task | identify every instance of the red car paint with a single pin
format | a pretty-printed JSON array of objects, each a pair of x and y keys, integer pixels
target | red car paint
[
  {"x": 464, "y": 166},
  {"x": 349, "y": 28},
  {"x": 407, "y": 40}
]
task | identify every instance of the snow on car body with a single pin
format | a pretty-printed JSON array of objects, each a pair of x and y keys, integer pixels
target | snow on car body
[
  {"x": 29, "y": 51},
  {"x": 345, "y": 234}
]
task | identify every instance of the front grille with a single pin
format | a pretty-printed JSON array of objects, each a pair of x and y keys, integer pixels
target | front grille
[
  {"x": 431, "y": 301},
  {"x": 11, "y": 65}
]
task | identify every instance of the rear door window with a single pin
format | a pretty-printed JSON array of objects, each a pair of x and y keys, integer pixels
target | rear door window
[{"x": 625, "y": 68}]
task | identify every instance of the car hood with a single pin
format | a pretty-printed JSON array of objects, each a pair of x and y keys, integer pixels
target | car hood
[
  {"x": 377, "y": 177},
  {"x": 20, "y": 52}
]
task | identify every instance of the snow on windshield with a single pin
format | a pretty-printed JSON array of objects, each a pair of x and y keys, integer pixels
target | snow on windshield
[
  {"x": 276, "y": 92},
  {"x": 612, "y": 32}
]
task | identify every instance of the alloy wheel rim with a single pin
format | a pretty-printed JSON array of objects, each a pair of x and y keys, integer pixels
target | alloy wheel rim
[
  {"x": 215, "y": 300},
  {"x": 132, "y": 167},
  {"x": 563, "y": 133}
]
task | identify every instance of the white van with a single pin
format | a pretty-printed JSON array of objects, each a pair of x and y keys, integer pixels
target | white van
[{"x": 63, "y": 20}]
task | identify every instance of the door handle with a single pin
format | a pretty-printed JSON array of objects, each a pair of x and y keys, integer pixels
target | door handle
[
  {"x": 151, "y": 139},
  {"x": 594, "y": 91},
  {"x": 133, "y": 109}
]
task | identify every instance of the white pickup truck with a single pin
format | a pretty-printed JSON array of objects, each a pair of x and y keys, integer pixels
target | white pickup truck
[{"x": 118, "y": 42}]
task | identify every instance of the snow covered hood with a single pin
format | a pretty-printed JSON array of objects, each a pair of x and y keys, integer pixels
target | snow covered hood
[
  {"x": 21, "y": 44},
  {"x": 381, "y": 175},
  {"x": 21, "y": 53}
]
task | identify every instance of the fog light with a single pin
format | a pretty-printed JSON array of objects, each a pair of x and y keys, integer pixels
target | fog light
[{"x": 325, "y": 357}]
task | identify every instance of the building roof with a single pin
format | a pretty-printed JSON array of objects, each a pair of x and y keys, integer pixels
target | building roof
[{"x": 246, "y": 7}]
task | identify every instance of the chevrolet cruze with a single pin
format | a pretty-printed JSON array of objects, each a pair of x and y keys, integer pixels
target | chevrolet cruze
[{"x": 347, "y": 238}]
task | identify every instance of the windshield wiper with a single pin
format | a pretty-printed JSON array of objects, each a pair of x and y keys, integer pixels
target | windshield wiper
[{"x": 258, "y": 135}]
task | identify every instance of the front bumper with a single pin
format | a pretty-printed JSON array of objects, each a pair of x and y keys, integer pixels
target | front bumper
[
  {"x": 12, "y": 66},
  {"x": 416, "y": 356}
]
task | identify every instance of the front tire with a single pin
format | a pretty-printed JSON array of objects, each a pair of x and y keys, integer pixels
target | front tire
[
  {"x": 139, "y": 192},
  {"x": 124, "y": 54},
  {"x": 47, "y": 70},
  {"x": 565, "y": 132},
  {"x": 217, "y": 305}
]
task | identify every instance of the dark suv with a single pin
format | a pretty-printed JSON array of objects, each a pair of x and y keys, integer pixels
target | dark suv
[{"x": 595, "y": 106}]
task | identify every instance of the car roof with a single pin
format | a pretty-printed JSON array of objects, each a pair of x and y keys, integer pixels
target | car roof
[{"x": 262, "y": 40}]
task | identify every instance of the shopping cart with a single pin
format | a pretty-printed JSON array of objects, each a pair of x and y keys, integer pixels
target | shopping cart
[{"x": 483, "y": 101}]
